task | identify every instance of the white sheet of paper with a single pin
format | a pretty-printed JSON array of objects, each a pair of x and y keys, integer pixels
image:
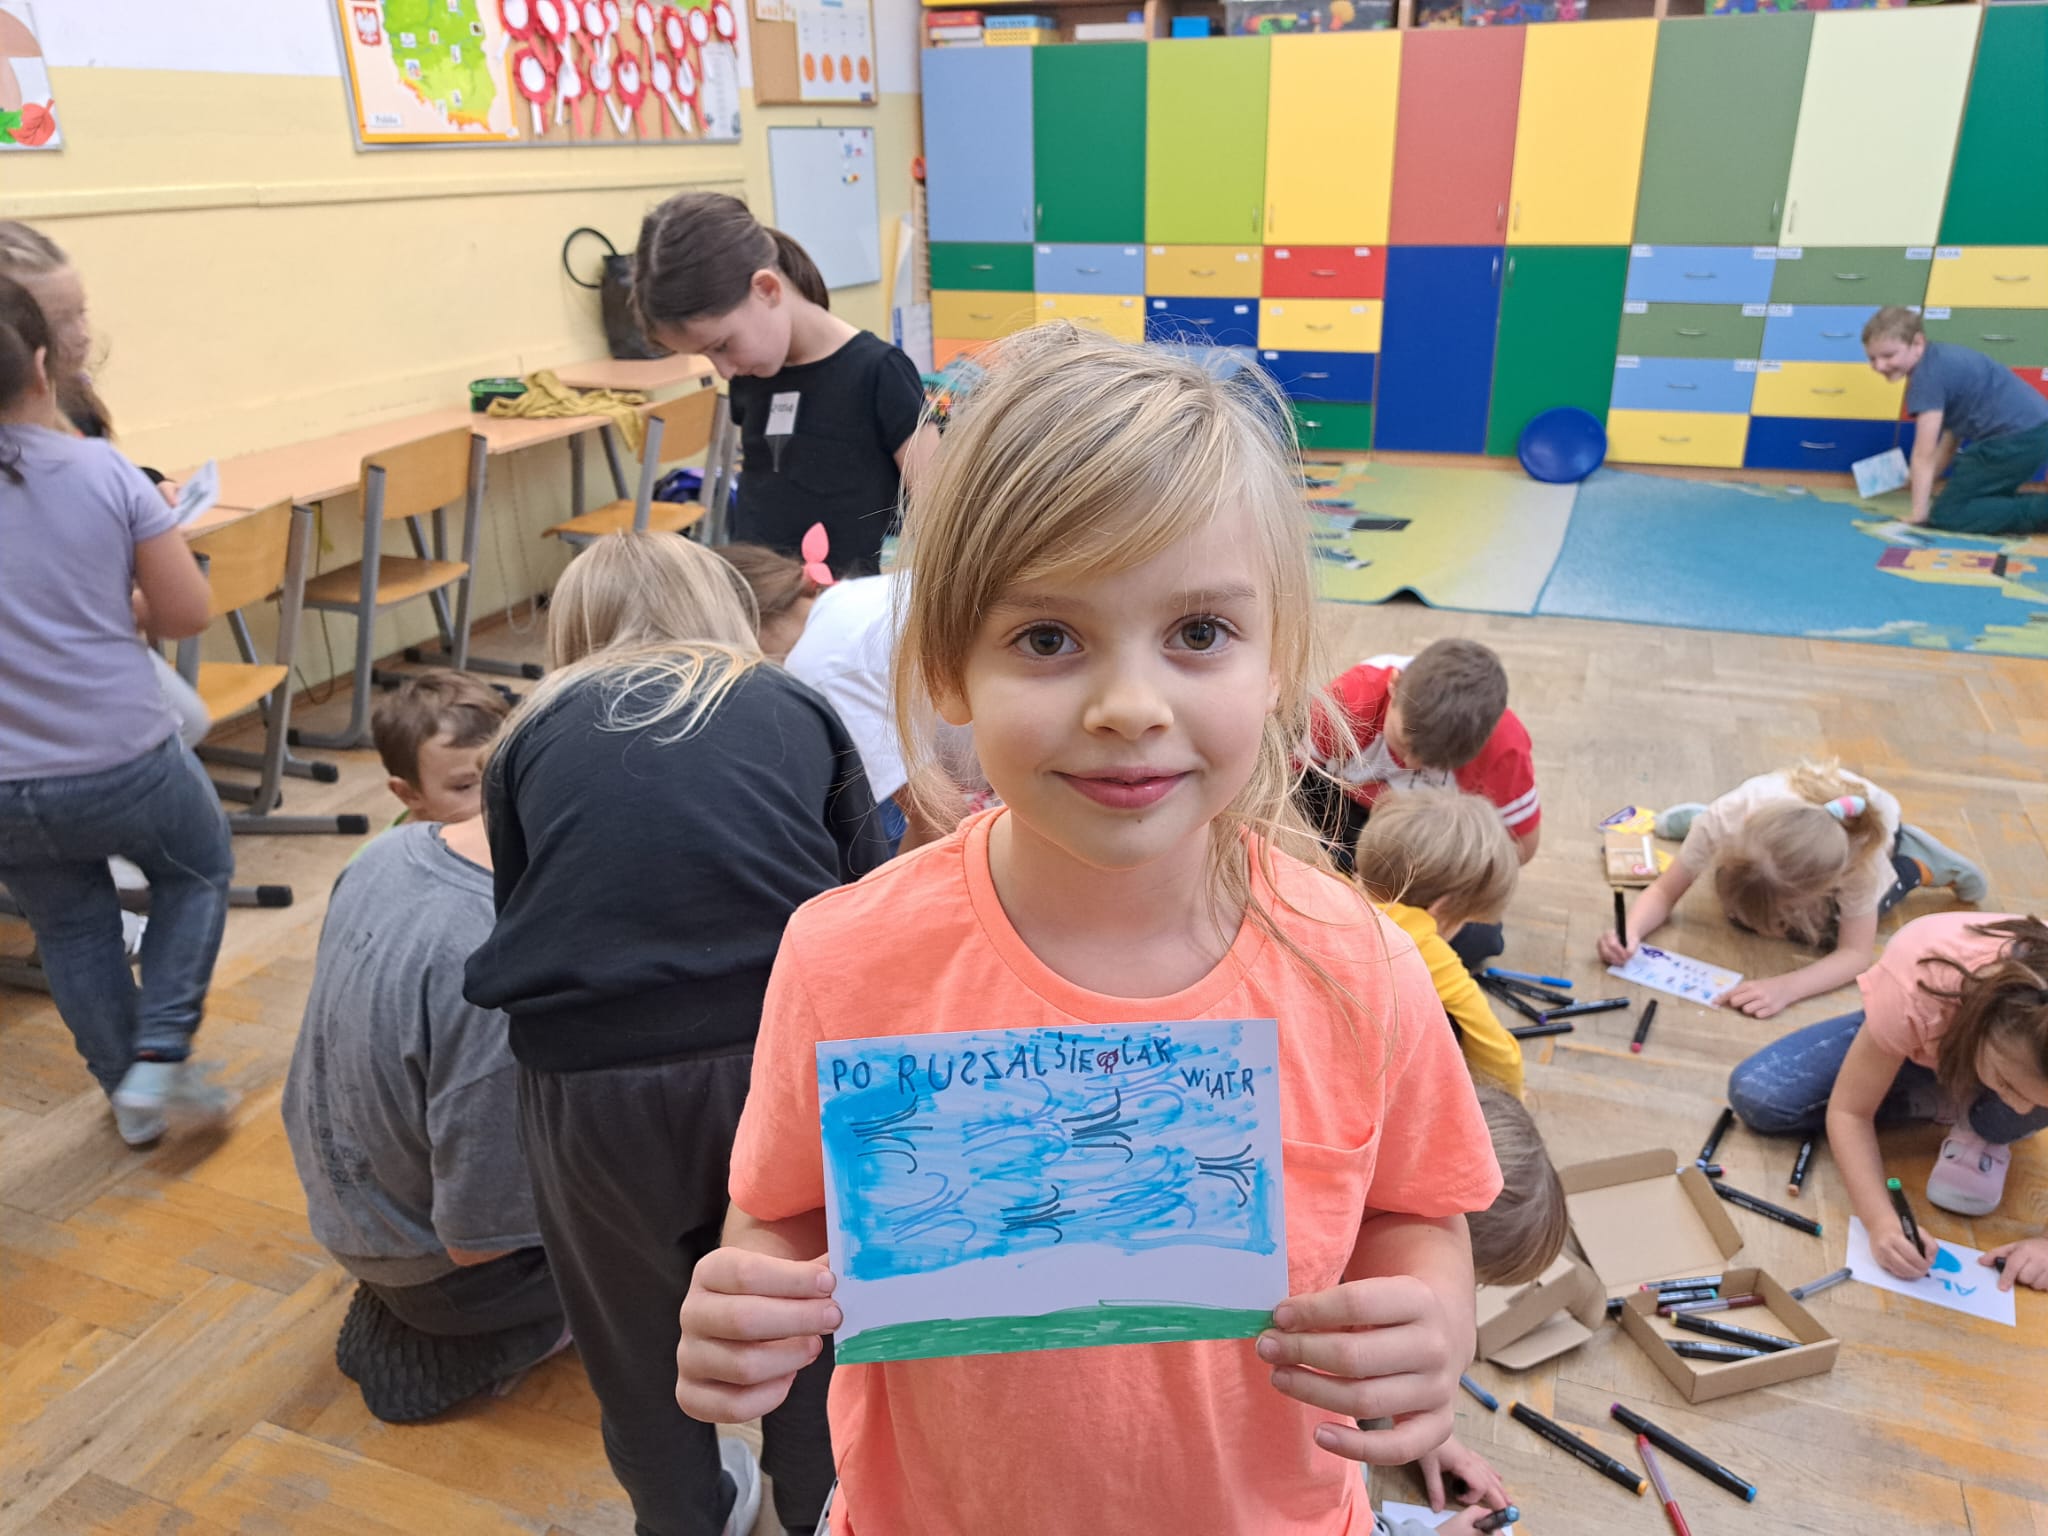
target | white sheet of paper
[
  {"x": 1879, "y": 473},
  {"x": 1663, "y": 970},
  {"x": 1957, "y": 1282},
  {"x": 199, "y": 493},
  {"x": 1429, "y": 1517}
]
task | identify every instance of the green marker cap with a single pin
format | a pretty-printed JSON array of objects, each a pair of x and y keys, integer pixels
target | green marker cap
[{"x": 1892, "y": 1184}]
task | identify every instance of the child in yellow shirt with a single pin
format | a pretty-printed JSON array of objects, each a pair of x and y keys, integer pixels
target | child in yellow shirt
[{"x": 1434, "y": 860}]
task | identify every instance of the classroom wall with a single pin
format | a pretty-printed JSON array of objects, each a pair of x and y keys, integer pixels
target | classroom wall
[{"x": 254, "y": 279}]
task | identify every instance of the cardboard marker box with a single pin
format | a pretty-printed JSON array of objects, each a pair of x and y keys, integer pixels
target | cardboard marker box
[
  {"x": 1641, "y": 1217},
  {"x": 1524, "y": 1325}
]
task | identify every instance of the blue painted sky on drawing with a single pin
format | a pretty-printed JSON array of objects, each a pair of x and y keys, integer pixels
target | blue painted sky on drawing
[{"x": 942, "y": 1149}]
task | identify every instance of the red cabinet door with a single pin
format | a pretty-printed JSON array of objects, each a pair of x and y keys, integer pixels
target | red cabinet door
[
  {"x": 1454, "y": 139},
  {"x": 1325, "y": 272}
]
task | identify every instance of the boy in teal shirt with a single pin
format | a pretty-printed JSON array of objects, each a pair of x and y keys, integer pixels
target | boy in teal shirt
[{"x": 1954, "y": 394}]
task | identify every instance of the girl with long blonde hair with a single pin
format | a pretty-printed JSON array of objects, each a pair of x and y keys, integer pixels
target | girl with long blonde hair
[
  {"x": 657, "y": 808},
  {"x": 1814, "y": 854},
  {"x": 1110, "y": 581}
]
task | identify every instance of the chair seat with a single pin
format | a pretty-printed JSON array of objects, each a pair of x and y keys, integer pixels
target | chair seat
[
  {"x": 399, "y": 577},
  {"x": 617, "y": 517},
  {"x": 229, "y": 687}
]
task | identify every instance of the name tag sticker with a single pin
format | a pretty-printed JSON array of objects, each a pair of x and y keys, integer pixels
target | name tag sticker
[
  {"x": 782, "y": 413},
  {"x": 1636, "y": 307}
]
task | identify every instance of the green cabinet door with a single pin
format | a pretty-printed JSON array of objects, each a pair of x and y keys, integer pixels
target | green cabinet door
[
  {"x": 1343, "y": 428},
  {"x": 1691, "y": 330},
  {"x": 1205, "y": 140},
  {"x": 982, "y": 268},
  {"x": 1723, "y": 106},
  {"x": 1560, "y": 312},
  {"x": 2018, "y": 338},
  {"x": 1998, "y": 189},
  {"x": 1850, "y": 274},
  {"x": 1088, "y": 141}
]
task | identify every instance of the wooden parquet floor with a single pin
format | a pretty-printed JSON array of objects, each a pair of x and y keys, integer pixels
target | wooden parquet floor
[{"x": 167, "y": 1324}]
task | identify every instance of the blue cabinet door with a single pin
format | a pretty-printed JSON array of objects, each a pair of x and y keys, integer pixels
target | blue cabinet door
[
  {"x": 977, "y": 134},
  {"x": 1340, "y": 376},
  {"x": 1088, "y": 268},
  {"x": 1682, "y": 384},
  {"x": 1436, "y": 347},
  {"x": 1801, "y": 442},
  {"x": 1208, "y": 322},
  {"x": 1816, "y": 333},
  {"x": 1701, "y": 274}
]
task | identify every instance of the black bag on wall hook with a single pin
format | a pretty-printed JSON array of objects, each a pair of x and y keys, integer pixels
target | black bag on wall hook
[{"x": 614, "y": 296}]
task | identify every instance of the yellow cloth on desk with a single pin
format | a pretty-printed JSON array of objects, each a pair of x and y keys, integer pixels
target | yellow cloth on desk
[
  {"x": 1488, "y": 1046},
  {"x": 548, "y": 396}
]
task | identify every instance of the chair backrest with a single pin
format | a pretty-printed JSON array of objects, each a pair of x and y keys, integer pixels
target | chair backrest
[
  {"x": 685, "y": 425},
  {"x": 246, "y": 558},
  {"x": 421, "y": 475}
]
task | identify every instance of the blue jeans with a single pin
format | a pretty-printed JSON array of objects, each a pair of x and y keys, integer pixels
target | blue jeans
[
  {"x": 56, "y": 836},
  {"x": 1783, "y": 1089}
]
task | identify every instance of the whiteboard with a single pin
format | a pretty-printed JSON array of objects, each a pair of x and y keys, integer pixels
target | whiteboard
[{"x": 823, "y": 183}]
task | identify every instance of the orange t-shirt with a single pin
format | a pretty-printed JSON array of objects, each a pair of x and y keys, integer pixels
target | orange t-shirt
[
  {"x": 1896, "y": 1012},
  {"x": 1376, "y": 1112}
]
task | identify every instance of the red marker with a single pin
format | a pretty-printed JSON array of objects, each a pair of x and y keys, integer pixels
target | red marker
[
  {"x": 1663, "y": 1489},
  {"x": 1643, "y": 1027}
]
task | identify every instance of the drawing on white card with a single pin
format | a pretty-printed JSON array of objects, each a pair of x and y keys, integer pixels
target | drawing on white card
[
  {"x": 1393, "y": 1511},
  {"x": 199, "y": 492},
  {"x": 1663, "y": 970},
  {"x": 1957, "y": 1280}
]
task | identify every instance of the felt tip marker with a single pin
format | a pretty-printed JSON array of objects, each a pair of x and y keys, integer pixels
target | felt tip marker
[
  {"x": 1713, "y": 1142},
  {"x": 1815, "y": 1287},
  {"x": 1592, "y": 1005},
  {"x": 1663, "y": 1488},
  {"x": 1693, "y": 1349},
  {"x": 1718, "y": 1304},
  {"x": 1799, "y": 1166},
  {"x": 1615, "y": 1305},
  {"x": 1905, "y": 1210},
  {"x": 1538, "y": 1031},
  {"x": 1498, "y": 1519},
  {"x": 1547, "y": 996},
  {"x": 1486, "y": 1399},
  {"x": 1763, "y": 1207},
  {"x": 1515, "y": 1000},
  {"x": 1643, "y": 1026},
  {"x": 1728, "y": 1333},
  {"x": 1541, "y": 981},
  {"x": 1999, "y": 1264},
  {"x": 1570, "y": 1443},
  {"x": 1711, "y": 1170},
  {"x": 1679, "y": 1298},
  {"x": 1689, "y": 1283},
  {"x": 1621, "y": 921},
  {"x": 1682, "y": 1453}
]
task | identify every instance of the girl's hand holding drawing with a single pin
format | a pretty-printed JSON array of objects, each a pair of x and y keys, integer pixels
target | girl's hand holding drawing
[
  {"x": 2026, "y": 1263},
  {"x": 1454, "y": 1459},
  {"x": 752, "y": 1320},
  {"x": 1761, "y": 996}
]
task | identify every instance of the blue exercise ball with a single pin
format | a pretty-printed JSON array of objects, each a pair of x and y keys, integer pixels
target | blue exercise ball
[{"x": 1562, "y": 444}]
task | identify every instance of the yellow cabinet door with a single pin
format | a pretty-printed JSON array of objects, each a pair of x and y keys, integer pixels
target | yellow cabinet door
[
  {"x": 1320, "y": 325},
  {"x": 1990, "y": 277},
  {"x": 1579, "y": 130},
  {"x": 965, "y": 315},
  {"x": 1870, "y": 164},
  {"x": 1204, "y": 271},
  {"x": 1702, "y": 439},
  {"x": 1118, "y": 315},
  {"x": 1330, "y": 138},
  {"x": 1849, "y": 391}
]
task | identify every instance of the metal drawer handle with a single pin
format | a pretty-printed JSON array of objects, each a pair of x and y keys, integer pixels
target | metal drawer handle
[
  {"x": 1322, "y": 271},
  {"x": 1682, "y": 331},
  {"x": 1311, "y": 425},
  {"x": 1816, "y": 447},
  {"x": 1097, "y": 319},
  {"x": 1204, "y": 323},
  {"x": 1997, "y": 338},
  {"x": 2012, "y": 277},
  {"x": 1315, "y": 375},
  {"x": 1669, "y": 385},
  {"x": 1848, "y": 277},
  {"x": 1201, "y": 271},
  {"x": 1699, "y": 276},
  {"x": 1665, "y": 437},
  {"x": 1818, "y": 391},
  {"x": 981, "y": 266},
  {"x": 976, "y": 315},
  {"x": 1089, "y": 271},
  {"x": 1836, "y": 335},
  {"x": 1327, "y": 327}
]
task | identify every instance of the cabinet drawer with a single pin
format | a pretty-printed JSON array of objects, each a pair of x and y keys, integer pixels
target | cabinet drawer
[
  {"x": 1837, "y": 391},
  {"x": 1325, "y": 272},
  {"x": 1991, "y": 277},
  {"x": 1324, "y": 425},
  {"x": 1219, "y": 362},
  {"x": 1694, "y": 384},
  {"x": 1204, "y": 271},
  {"x": 1837, "y": 274},
  {"x": 1796, "y": 442},
  {"x": 1817, "y": 333},
  {"x": 1118, "y": 315},
  {"x": 1701, "y": 274},
  {"x": 1702, "y": 439},
  {"x": 1322, "y": 375},
  {"x": 946, "y": 349},
  {"x": 2017, "y": 338},
  {"x": 1320, "y": 325},
  {"x": 982, "y": 268},
  {"x": 1690, "y": 330},
  {"x": 1214, "y": 322},
  {"x": 1088, "y": 268},
  {"x": 980, "y": 316}
]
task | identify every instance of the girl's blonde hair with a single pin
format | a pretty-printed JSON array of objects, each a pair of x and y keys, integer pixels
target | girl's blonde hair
[
  {"x": 653, "y": 618},
  {"x": 1426, "y": 845},
  {"x": 26, "y": 253},
  {"x": 1779, "y": 872},
  {"x": 2003, "y": 1002},
  {"x": 1079, "y": 455}
]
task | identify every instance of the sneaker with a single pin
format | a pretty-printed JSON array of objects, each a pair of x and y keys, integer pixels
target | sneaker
[
  {"x": 744, "y": 1468},
  {"x": 1677, "y": 821},
  {"x": 139, "y": 1127},
  {"x": 1946, "y": 865},
  {"x": 180, "y": 1088},
  {"x": 1969, "y": 1178}
]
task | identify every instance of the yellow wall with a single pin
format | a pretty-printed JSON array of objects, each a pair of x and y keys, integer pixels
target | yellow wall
[{"x": 254, "y": 279}]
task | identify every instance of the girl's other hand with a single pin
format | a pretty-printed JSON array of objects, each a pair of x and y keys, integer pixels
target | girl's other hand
[
  {"x": 749, "y": 1324},
  {"x": 169, "y": 490},
  {"x": 1760, "y": 998},
  {"x": 1456, "y": 1459},
  {"x": 1895, "y": 1251},
  {"x": 1611, "y": 949},
  {"x": 2026, "y": 1263}
]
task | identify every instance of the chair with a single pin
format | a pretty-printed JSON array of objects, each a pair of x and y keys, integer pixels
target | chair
[
  {"x": 405, "y": 483},
  {"x": 250, "y": 561},
  {"x": 676, "y": 429}
]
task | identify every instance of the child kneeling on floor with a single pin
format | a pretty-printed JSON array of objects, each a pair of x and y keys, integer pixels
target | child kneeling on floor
[
  {"x": 1814, "y": 854},
  {"x": 1954, "y": 1027}
]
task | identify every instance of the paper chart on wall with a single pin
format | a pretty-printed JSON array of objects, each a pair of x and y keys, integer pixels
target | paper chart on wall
[
  {"x": 1664, "y": 970},
  {"x": 835, "y": 51},
  {"x": 1000, "y": 1190},
  {"x": 1957, "y": 1281},
  {"x": 28, "y": 108}
]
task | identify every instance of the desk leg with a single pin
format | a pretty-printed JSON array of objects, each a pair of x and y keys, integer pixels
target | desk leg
[
  {"x": 454, "y": 650},
  {"x": 576, "y": 475},
  {"x": 609, "y": 436}
]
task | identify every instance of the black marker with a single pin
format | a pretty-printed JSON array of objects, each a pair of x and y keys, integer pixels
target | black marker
[
  {"x": 1596, "y": 1005},
  {"x": 1728, "y": 1333},
  {"x": 1615, "y": 1305},
  {"x": 1499, "y": 1518},
  {"x": 1711, "y": 1170},
  {"x": 1591, "y": 1455},
  {"x": 1643, "y": 1026},
  {"x": 1999, "y": 1264},
  {"x": 1691, "y": 1283},
  {"x": 1815, "y": 1287},
  {"x": 1764, "y": 1207},
  {"x": 1899, "y": 1203},
  {"x": 1514, "y": 1000},
  {"x": 1713, "y": 1141},
  {"x": 1487, "y": 1399},
  {"x": 1716, "y": 1304},
  {"x": 1538, "y": 1031},
  {"x": 1692, "y": 1349},
  {"x": 1799, "y": 1165},
  {"x": 1676, "y": 1448},
  {"x": 1621, "y": 921},
  {"x": 1529, "y": 989},
  {"x": 1680, "y": 1298}
]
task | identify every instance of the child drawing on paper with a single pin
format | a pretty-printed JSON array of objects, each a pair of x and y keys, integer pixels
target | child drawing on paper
[
  {"x": 1814, "y": 854},
  {"x": 1110, "y": 581}
]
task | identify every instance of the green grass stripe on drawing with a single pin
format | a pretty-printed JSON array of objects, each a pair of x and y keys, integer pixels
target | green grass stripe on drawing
[{"x": 1109, "y": 1322}]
